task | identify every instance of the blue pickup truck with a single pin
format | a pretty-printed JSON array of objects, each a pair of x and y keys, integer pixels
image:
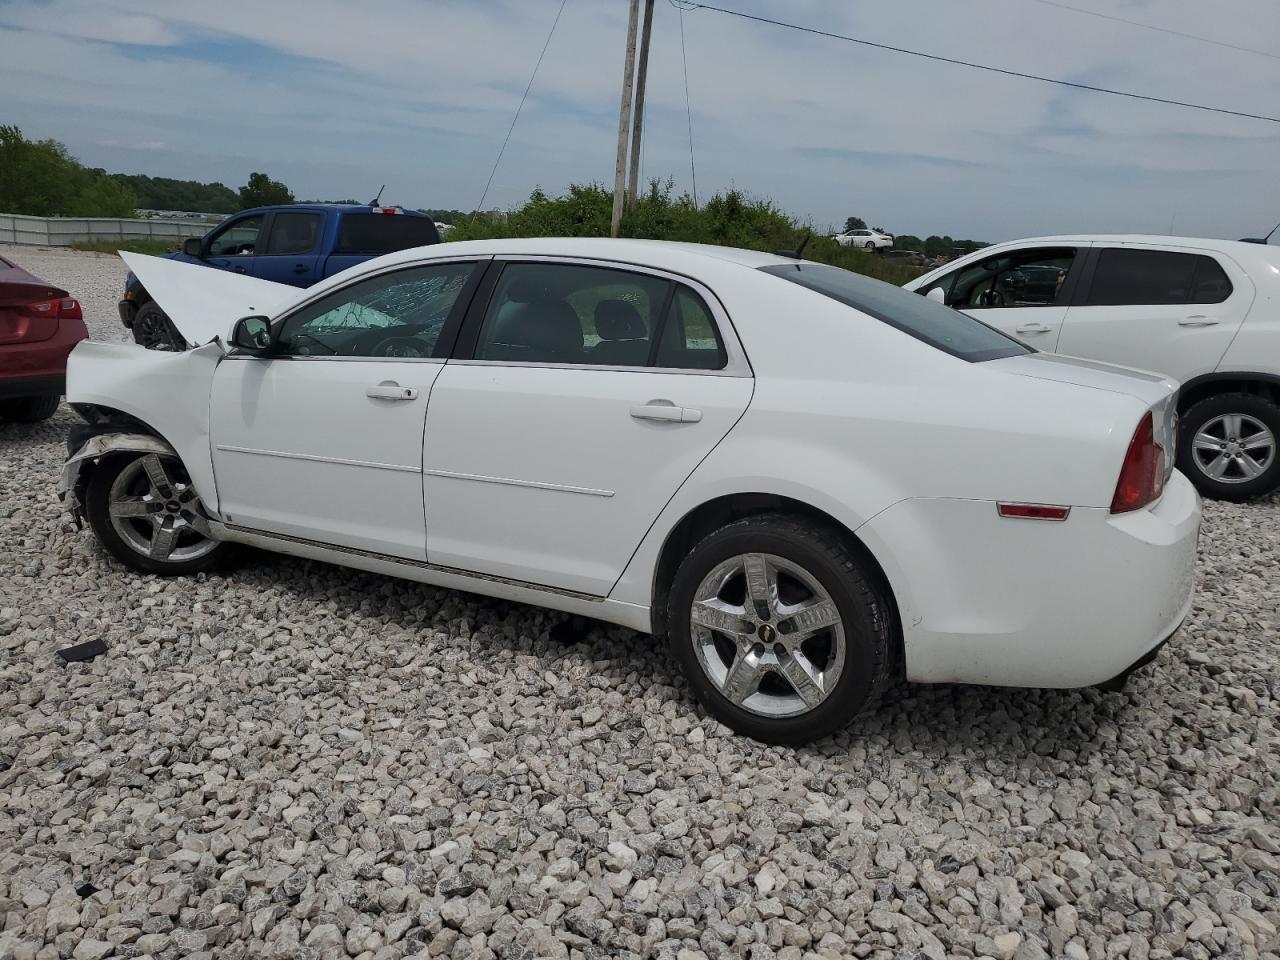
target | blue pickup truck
[{"x": 299, "y": 244}]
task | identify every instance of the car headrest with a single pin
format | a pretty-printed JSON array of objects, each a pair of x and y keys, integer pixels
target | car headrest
[
  {"x": 547, "y": 326},
  {"x": 619, "y": 320}
]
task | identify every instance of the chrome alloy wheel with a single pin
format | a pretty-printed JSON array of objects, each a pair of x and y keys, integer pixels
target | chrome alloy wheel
[
  {"x": 1234, "y": 448},
  {"x": 155, "y": 510},
  {"x": 767, "y": 635}
]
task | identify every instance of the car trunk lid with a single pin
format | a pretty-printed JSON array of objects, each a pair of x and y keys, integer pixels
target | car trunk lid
[{"x": 30, "y": 308}]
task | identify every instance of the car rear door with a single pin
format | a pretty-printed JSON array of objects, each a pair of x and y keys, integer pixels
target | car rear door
[
  {"x": 1170, "y": 310},
  {"x": 581, "y": 397},
  {"x": 1022, "y": 291},
  {"x": 291, "y": 253}
]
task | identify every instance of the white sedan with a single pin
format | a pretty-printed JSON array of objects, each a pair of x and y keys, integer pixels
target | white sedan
[
  {"x": 808, "y": 481},
  {"x": 868, "y": 239}
]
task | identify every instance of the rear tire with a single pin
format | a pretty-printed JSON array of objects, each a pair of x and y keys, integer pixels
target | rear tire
[
  {"x": 762, "y": 667},
  {"x": 1228, "y": 438},
  {"x": 146, "y": 514},
  {"x": 29, "y": 409},
  {"x": 153, "y": 329},
  {"x": 871, "y": 247}
]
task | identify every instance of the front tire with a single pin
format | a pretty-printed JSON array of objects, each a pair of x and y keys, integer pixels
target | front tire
[
  {"x": 1230, "y": 446},
  {"x": 29, "y": 409},
  {"x": 781, "y": 629},
  {"x": 153, "y": 329},
  {"x": 145, "y": 513}
]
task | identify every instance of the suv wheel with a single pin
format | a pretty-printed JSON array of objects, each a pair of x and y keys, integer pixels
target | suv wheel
[
  {"x": 1230, "y": 446},
  {"x": 28, "y": 409},
  {"x": 779, "y": 629},
  {"x": 154, "y": 330},
  {"x": 145, "y": 512}
]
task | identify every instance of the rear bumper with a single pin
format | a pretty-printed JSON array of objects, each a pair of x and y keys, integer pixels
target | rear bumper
[
  {"x": 1014, "y": 602},
  {"x": 38, "y": 369}
]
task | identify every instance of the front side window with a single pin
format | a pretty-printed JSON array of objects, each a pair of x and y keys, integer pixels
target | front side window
[
  {"x": 598, "y": 316},
  {"x": 399, "y": 314},
  {"x": 240, "y": 239},
  {"x": 293, "y": 234},
  {"x": 948, "y": 330},
  {"x": 1129, "y": 277},
  {"x": 1022, "y": 278}
]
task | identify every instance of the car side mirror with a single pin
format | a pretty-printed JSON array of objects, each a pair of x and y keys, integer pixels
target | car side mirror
[
  {"x": 937, "y": 295},
  {"x": 193, "y": 246},
  {"x": 252, "y": 335}
]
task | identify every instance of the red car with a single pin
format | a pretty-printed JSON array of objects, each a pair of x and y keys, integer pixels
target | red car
[{"x": 39, "y": 324}]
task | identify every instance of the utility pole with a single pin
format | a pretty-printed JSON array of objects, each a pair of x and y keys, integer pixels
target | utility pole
[
  {"x": 637, "y": 127},
  {"x": 624, "y": 115}
]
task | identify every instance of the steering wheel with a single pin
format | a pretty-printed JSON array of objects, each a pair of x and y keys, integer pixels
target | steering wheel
[
  {"x": 991, "y": 298},
  {"x": 401, "y": 347}
]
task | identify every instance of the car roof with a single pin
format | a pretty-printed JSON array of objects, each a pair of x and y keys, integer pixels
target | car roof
[
  {"x": 656, "y": 253},
  {"x": 1204, "y": 243},
  {"x": 339, "y": 207}
]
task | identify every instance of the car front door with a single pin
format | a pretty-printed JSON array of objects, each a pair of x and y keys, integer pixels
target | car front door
[
  {"x": 1023, "y": 292},
  {"x": 291, "y": 253},
  {"x": 322, "y": 438},
  {"x": 1172, "y": 311},
  {"x": 581, "y": 397},
  {"x": 234, "y": 244}
]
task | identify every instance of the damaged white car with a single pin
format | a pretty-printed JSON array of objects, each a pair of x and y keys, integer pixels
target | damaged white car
[{"x": 809, "y": 481}]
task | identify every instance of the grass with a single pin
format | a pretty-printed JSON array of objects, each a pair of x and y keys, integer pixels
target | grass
[{"x": 155, "y": 248}]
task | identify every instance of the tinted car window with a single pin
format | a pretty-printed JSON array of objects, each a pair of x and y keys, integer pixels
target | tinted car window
[
  {"x": 947, "y": 330},
  {"x": 1156, "y": 277},
  {"x": 238, "y": 240},
  {"x": 690, "y": 340},
  {"x": 396, "y": 314},
  {"x": 566, "y": 313},
  {"x": 293, "y": 233},
  {"x": 375, "y": 233}
]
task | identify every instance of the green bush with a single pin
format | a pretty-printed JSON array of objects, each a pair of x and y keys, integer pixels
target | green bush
[{"x": 731, "y": 219}]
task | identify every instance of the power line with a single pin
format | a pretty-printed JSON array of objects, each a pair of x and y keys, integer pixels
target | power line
[
  {"x": 690, "y": 5},
  {"x": 528, "y": 87},
  {"x": 688, "y": 110},
  {"x": 1152, "y": 26}
]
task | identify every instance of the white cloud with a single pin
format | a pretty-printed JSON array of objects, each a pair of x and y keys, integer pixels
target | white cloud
[{"x": 336, "y": 100}]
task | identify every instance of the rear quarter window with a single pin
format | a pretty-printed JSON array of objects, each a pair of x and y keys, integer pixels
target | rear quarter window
[{"x": 378, "y": 233}]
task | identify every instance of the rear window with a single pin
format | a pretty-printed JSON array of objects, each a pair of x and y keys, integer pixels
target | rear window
[
  {"x": 946, "y": 329},
  {"x": 375, "y": 233}
]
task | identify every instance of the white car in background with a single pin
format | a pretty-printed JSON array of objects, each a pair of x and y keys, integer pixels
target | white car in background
[
  {"x": 877, "y": 486},
  {"x": 1204, "y": 312},
  {"x": 869, "y": 239}
]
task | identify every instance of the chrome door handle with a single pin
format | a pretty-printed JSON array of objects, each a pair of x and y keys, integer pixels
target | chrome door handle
[
  {"x": 1198, "y": 320},
  {"x": 391, "y": 391},
  {"x": 1032, "y": 328},
  {"x": 666, "y": 411}
]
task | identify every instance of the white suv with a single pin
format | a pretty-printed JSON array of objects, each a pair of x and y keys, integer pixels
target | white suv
[
  {"x": 870, "y": 239},
  {"x": 1205, "y": 312}
]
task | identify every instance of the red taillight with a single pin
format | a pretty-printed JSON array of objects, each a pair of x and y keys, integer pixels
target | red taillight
[
  {"x": 36, "y": 320},
  {"x": 1142, "y": 474},
  {"x": 63, "y": 307}
]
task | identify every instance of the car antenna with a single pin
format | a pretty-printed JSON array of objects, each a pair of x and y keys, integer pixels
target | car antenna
[
  {"x": 1262, "y": 240},
  {"x": 798, "y": 252},
  {"x": 374, "y": 202}
]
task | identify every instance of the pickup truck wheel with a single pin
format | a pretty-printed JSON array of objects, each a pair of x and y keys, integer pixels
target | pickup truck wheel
[
  {"x": 28, "y": 409},
  {"x": 780, "y": 630},
  {"x": 154, "y": 330},
  {"x": 1230, "y": 446},
  {"x": 145, "y": 513}
]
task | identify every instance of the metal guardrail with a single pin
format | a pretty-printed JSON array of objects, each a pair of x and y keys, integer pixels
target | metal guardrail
[{"x": 64, "y": 231}]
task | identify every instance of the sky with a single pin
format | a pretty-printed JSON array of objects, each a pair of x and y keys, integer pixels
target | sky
[{"x": 336, "y": 98}]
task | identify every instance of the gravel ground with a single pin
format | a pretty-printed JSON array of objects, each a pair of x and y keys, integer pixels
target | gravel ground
[{"x": 294, "y": 760}]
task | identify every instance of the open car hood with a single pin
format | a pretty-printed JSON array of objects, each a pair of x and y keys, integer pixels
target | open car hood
[{"x": 204, "y": 302}]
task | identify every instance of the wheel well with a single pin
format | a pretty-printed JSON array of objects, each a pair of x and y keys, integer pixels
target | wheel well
[
  {"x": 714, "y": 514},
  {"x": 1259, "y": 385}
]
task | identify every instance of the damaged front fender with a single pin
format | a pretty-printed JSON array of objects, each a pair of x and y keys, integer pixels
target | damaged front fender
[{"x": 166, "y": 392}]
